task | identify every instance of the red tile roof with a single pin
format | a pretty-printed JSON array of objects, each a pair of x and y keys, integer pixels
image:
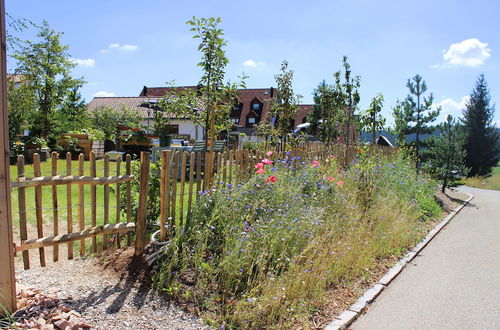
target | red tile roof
[{"x": 301, "y": 115}]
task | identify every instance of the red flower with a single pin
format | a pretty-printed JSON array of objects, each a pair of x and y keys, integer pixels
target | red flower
[
  {"x": 269, "y": 153},
  {"x": 261, "y": 171},
  {"x": 315, "y": 163},
  {"x": 330, "y": 178},
  {"x": 259, "y": 165},
  {"x": 267, "y": 161},
  {"x": 271, "y": 178},
  {"x": 340, "y": 183}
]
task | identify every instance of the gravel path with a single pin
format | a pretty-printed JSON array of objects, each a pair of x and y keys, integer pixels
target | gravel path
[{"x": 107, "y": 294}]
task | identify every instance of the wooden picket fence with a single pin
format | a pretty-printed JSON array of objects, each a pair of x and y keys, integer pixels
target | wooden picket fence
[{"x": 78, "y": 230}]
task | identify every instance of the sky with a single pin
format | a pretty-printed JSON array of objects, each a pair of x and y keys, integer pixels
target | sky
[{"x": 122, "y": 45}]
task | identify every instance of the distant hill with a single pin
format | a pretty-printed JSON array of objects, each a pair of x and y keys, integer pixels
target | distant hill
[{"x": 367, "y": 136}]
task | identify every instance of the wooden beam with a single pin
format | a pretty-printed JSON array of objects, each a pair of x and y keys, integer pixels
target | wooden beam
[
  {"x": 7, "y": 274},
  {"x": 140, "y": 237},
  {"x": 64, "y": 238},
  {"x": 67, "y": 179}
]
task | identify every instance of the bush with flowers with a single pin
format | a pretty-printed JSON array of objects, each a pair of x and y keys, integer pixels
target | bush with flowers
[{"x": 266, "y": 252}]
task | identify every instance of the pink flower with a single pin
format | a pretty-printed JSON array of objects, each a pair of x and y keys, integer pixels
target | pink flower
[
  {"x": 340, "y": 183},
  {"x": 315, "y": 163},
  {"x": 267, "y": 161},
  {"x": 330, "y": 178},
  {"x": 259, "y": 165},
  {"x": 261, "y": 171},
  {"x": 272, "y": 178},
  {"x": 269, "y": 153}
]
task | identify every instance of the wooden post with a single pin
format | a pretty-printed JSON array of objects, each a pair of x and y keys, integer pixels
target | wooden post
[
  {"x": 7, "y": 274},
  {"x": 38, "y": 206},
  {"x": 21, "y": 196},
  {"x": 164, "y": 197},
  {"x": 183, "y": 182},
  {"x": 93, "y": 202},
  {"x": 128, "y": 171},
  {"x": 117, "y": 195},
  {"x": 191, "y": 178},
  {"x": 69, "y": 205},
  {"x": 174, "y": 190},
  {"x": 55, "y": 210},
  {"x": 140, "y": 238},
  {"x": 106, "y": 202},
  {"x": 81, "y": 200},
  {"x": 198, "y": 173}
]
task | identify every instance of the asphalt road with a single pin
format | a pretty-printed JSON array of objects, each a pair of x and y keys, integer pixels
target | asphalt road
[{"x": 454, "y": 283}]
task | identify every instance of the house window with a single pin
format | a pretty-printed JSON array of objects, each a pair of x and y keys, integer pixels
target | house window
[
  {"x": 251, "y": 120},
  {"x": 171, "y": 129},
  {"x": 235, "y": 120},
  {"x": 255, "y": 106}
]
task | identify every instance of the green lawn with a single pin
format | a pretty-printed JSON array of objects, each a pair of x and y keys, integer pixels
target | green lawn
[{"x": 492, "y": 182}]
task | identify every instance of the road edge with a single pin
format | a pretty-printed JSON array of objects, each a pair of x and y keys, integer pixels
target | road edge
[{"x": 347, "y": 317}]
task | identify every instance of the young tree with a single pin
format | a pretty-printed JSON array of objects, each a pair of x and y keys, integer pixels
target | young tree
[
  {"x": 46, "y": 66},
  {"x": 415, "y": 115},
  {"x": 20, "y": 100},
  {"x": 400, "y": 124},
  {"x": 328, "y": 114},
  {"x": 217, "y": 95},
  {"x": 446, "y": 155},
  {"x": 349, "y": 90},
  {"x": 372, "y": 120},
  {"x": 72, "y": 115},
  {"x": 284, "y": 107},
  {"x": 481, "y": 141}
]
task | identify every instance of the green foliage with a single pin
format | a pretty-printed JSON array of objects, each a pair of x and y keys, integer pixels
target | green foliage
[
  {"x": 481, "y": 141},
  {"x": 218, "y": 97},
  {"x": 335, "y": 106},
  {"x": 107, "y": 119},
  {"x": 372, "y": 120},
  {"x": 72, "y": 115},
  {"x": 153, "y": 200},
  {"x": 284, "y": 106},
  {"x": 446, "y": 154},
  {"x": 20, "y": 99},
  {"x": 415, "y": 114},
  {"x": 45, "y": 65},
  {"x": 264, "y": 253}
]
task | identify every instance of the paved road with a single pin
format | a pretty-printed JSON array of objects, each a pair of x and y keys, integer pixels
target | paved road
[{"x": 455, "y": 282}]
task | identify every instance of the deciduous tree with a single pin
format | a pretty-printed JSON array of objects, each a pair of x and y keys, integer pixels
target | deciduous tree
[{"x": 372, "y": 120}]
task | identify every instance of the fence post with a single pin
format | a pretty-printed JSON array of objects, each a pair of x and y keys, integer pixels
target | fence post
[
  {"x": 140, "y": 238},
  {"x": 7, "y": 275}
]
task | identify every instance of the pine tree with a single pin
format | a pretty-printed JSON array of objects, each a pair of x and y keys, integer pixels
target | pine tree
[
  {"x": 416, "y": 114},
  {"x": 481, "y": 141},
  {"x": 446, "y": 155}
]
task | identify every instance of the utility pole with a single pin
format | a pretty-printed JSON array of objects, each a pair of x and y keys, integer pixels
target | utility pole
[{"x": 7, "y": 274}]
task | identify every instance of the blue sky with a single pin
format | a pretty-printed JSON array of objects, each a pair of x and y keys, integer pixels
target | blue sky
[{"x": 122, "y": 45}]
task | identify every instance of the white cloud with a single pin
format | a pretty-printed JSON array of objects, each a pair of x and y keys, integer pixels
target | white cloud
[
  {"x": 252, "y": 64},
  {"x": 104, "y": 94},
  {"x": 89, "y": 62},
  {"x": 123, "y": 48},
  {"x": 470, "y": 52},
  {"x": 451, "y": 107}
]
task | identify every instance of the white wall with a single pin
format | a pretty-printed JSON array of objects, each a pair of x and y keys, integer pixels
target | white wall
[{"x": 185, "y": 127}]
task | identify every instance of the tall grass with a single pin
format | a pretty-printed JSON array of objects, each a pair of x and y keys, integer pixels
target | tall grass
[{"x": 264, "y": 254}]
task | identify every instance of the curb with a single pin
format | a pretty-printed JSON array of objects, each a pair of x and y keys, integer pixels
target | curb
[{"x": 347, "y": 317}]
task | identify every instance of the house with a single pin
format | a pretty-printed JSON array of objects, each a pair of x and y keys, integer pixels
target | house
[{"x": 251, "y": 106}]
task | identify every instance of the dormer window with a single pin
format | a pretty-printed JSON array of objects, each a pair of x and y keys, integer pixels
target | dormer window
[
  {"x": 251, "y": 120},
  {"x": 255, "y": 106}
]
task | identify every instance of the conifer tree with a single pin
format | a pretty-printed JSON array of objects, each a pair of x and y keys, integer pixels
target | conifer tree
[
  {"x": 415, "y": 115},
  {"x": 446, "y": 155},
  {"x": 481, "y": 141}
]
